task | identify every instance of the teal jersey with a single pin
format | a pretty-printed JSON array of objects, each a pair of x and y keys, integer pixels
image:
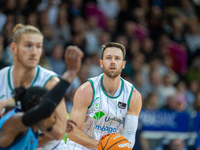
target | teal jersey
[{"x": 29, "y": 141}]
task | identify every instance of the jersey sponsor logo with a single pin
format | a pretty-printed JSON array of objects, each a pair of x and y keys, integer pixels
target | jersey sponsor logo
[
  {"x": 124, "y": 145},
  {"x": 106, "y": 128},
  {"x": 2, "y": 96},
  {"x": 120, "y": 121},
  {"x": 121, "y": 105},
  {"x": 96, "y": 107},
  {"x": 96, "y": 98},
  {"x": 98, "y": 115}
]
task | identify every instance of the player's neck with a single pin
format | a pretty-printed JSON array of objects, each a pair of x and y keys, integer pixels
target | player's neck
[
  {"x": 111, "y": 85},
  {"x": 22, "y": 76}
]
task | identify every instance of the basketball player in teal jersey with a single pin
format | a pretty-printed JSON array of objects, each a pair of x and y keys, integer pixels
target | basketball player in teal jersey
[
  {"x": 105, "y": 104},
  {"x": 14, "y": 133},
  {"x": 27, "y": 49}
]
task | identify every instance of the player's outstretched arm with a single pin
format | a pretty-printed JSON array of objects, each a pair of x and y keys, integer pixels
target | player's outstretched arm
[
  {"x": 82, "y": 99},
  {"x": 131, "y": 119},
  {"x": 73, "y": 57},
  {"x": 50, "y": 101}
]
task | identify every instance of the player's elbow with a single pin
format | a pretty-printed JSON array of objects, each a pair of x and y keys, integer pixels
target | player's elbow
[{"x": 58, "y": 136}]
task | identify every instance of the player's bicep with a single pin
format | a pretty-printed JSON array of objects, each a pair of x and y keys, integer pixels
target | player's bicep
[
  {"x": 135, "y": 103},
  {"x": 52, "y": 82},
  {"x": 82, "y": 100}
]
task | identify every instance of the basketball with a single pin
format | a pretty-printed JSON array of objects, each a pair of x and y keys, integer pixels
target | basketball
[{"x": 114, "y": 142}]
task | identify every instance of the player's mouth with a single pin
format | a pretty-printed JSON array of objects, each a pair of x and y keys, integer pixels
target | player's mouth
[
  {"x": 112, "y": 68},
  {"x": 32, "y": 59}
]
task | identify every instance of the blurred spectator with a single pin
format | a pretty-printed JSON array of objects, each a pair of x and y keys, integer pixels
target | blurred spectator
[
  {"x": 177, "y": 34},
  {"x": 3, "y": 20},
  {"x": 92, "y": 10},
  {"x": 49, "y": 39},
  {"x": 7, "y": 33},
  {"x": 172, "y": 104},
  {"x": 166, "y": 89},
  {"x": 180, "y": 95},
  {"x": 196, "y": 104},
  {"x": 56, "y": 59},
  {"x": 51, "y": 6},
  {"x": 2, "y": 62},
  {"x": 194, "y": 71},
  {"x": 192, "y": 38},
  {"x": 93, "y": 65},
  {"x": 75, "y": 9},
  {"x": 105, "y": 6},
  {"x": 175, "y": 144},
  {"x": 186, "y": 11},
  {"x": 151, "y": 101},
  {"x": 43, "y": 18},
  {"x": 147, "y": 48},
  {"x": 62, "y": 27},
  {"x": 32, "y": 19},
  {"x": 140, "y": 84},
  {"x": 191, "y": 93}
]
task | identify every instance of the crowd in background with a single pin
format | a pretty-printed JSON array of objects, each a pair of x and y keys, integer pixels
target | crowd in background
[{"x": 162, "y": 39}]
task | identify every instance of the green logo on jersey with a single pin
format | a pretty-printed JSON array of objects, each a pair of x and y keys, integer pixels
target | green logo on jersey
[
  {"x": 96, "y": 98},
  {"x": 2, "y": 96},
  {"x": 98, "y": 115},
  {"x": 96, "y": 107}
]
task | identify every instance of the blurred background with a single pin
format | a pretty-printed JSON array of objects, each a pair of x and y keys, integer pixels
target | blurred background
[{"x": 162, "y": 39}]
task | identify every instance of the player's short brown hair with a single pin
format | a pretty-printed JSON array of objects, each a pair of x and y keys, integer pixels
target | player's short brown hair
[{"x": 113, "y": 44}]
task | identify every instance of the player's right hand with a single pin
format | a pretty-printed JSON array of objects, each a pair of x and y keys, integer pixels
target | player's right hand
[
  {"x": 70, "y": 124},
  {"x": 73, "y": 57}
]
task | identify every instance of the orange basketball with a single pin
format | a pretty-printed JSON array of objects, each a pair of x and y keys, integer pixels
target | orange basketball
[{"x": 114, "y": 142}]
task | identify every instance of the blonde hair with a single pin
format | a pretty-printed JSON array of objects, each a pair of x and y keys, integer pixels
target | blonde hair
[
  {"x": 113, "y": 44},
  {"x": 20, "y": 29}
]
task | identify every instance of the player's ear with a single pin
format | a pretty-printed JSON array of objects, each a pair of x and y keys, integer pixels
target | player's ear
[
  {"x": 13, "y": 47},
  {"x": 124, "y": 63},
  {"x": 101, "y": 63}
]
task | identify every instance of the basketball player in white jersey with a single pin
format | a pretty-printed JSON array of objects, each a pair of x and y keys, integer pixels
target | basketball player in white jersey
[
  {"x": 27, "y": 49},
  {"x": 105, "y": 104}
]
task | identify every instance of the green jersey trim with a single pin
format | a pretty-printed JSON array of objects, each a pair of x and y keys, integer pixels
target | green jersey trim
[
  {"x": 128, "y": 102},
  {"x": 93, "y": 92},
  {"x": 38, "y": 71},
  {"x": 49, "y": 79},
  {"x": 106, "y": 93},
  {"x": 9, "y": 79}
]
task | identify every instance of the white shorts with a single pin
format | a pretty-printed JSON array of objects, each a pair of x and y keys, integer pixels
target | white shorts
[{"x": 53, "y": 145}]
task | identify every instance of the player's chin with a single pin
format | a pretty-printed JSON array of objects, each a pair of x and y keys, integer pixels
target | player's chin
[{"x": 31, "y": 66}]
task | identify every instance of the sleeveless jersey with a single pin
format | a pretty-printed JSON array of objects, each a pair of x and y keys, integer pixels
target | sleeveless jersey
[
  {"x": 105, "y": 114},
  {"x": 42, "y": 76},
  {"x": 28, "y": 141}
]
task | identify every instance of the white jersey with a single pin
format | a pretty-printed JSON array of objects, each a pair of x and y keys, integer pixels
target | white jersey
[
  {"x": 105, "y": 114},
  {"x": 42, "y": 76}
]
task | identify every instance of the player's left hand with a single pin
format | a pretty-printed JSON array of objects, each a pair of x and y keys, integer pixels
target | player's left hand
[
  {"x": 103, "y": 136},
  {"x": 70, "y": 124}
]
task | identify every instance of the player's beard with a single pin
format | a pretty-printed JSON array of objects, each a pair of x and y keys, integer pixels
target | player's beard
[{"x": 112, "y": 75}]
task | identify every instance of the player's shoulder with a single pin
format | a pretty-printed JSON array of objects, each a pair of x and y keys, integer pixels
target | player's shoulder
[
  {"x": 84, "y": 94},
  {"x": 127, "y": 83},
  {"x": 86, "y": 87},
  {"x": 44, "y": 70},
  {"x": 5, "y": 69}
]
